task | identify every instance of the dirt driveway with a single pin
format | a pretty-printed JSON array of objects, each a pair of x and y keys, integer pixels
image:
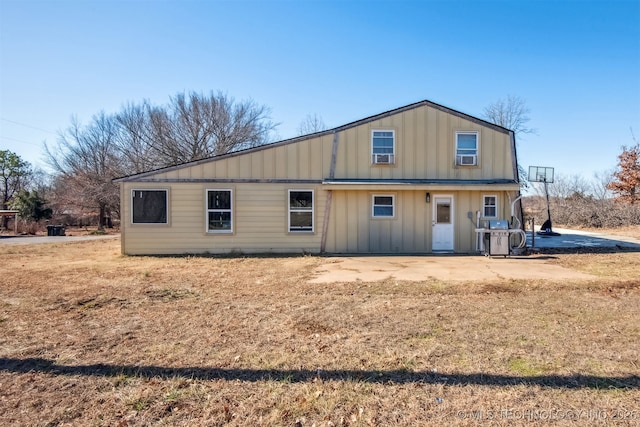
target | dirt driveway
[{"x": 446, "y": 267}]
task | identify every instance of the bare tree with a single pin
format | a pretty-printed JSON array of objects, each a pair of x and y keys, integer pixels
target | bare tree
[
  {"x": 565, "y": 186},
  {"x": 312, "y": 123},
  {"x": 134, "y": 139},
  {"x": 190, "y": 127},
  {"x": 511, "y": 113},
  {"x": 161, "y": 139},
  {"x": 600, "y": 184},
  {"x": 196, "y": 126},
  {"x": 144, "y": 137},
  {"x": 87, "y": 160}
]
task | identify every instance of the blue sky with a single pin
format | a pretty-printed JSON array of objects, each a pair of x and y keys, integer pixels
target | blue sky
[{"x": 576, "y": 63}]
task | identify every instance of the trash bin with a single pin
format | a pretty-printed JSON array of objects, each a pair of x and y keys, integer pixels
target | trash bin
[{"x": 55, "y": 230}]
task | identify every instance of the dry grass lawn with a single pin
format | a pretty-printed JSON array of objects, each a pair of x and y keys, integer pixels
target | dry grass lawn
[{"x": 91, "y": 338}]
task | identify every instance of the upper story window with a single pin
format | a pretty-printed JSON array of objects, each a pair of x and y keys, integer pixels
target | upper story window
[
  {"x": 383, "y": 206},
  {"x": 300, "y": 210},
  {"x": 466, "y": 148},
  {"x": 490, "y": 206},
  {"x": 149, "y": 206},
  {"x": 383, "y": 147},
  {"x": 219, "y": 211}
]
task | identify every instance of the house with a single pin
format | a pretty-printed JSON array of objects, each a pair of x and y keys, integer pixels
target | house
[{"x": 417, "y": 179}]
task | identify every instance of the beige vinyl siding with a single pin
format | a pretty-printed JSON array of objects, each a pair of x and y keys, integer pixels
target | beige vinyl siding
[
  {"x": 464, "y": 237},
  {"x": 307, "y": 159},
  {"x": 425, "y": 148},
  {"x": 353, "y": 230},
  {"x": 260, "y": 222},
  {"x": 259, "y": 215}
]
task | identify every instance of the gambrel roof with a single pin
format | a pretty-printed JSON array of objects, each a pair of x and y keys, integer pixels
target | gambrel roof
[{"x": 484, "y": 123}]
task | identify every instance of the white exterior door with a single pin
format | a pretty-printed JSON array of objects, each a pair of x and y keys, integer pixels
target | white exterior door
[{"x": 442, "y": 223}]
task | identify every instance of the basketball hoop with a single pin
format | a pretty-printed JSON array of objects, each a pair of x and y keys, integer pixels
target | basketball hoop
[{"x": 545, "y": 175}]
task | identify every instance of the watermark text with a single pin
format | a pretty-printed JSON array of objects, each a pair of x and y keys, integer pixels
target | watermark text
[{"x": 550, "y": 414}]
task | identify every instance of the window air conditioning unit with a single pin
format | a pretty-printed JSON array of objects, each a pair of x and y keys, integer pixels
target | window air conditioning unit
[
  {"x": 466, "y": 160},
  {"x": 384, "y": 159}
]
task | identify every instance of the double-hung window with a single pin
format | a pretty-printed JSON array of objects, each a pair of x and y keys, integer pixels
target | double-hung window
[
  {"x": 219, "y": 211},
  {"x": 301, "y": 211},
  {"x": 383, "y": 145},
  {"x": 466, "y": 148},
  {"x": 383, "y": 206},
  {"x": 149, "y": 206},
  {"x": 490, "y": 206}
]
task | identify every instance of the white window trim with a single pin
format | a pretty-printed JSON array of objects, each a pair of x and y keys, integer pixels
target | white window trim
[
  {"x": 457, "y": 159},
  {"x": 373, "y": 206},
  {"x": 313, "y": 211},
  {"x": 145, "y": 224},
  {"x": 392, "y": 158},
  {"x": 484, "y": 205},
  {"x": 207, "y": 210}
]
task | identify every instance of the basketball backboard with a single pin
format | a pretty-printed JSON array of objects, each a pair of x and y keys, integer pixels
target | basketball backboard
[{"x": 540, "y": 174}]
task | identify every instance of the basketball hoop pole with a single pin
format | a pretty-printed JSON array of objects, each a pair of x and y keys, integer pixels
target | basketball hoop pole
[{"x": 546, "y": 190}]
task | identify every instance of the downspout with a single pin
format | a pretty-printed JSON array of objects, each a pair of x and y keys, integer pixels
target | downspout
[
  {"x": 124, "y": 203},
  {"x": 327, "y": 207},
  {"x": 479, "y": 236}
]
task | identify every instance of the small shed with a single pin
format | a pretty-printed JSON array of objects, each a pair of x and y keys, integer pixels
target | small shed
[{"x": 14, "y": 214}]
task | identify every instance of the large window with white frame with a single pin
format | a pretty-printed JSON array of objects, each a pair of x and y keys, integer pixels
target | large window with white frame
[
  {"x": 490, "y": 206},
  {"x": 301, "y": 215},
  {"x": 149, "y": 206},
  {"x": 383, "y": 147},
  {"x": 383, "y": 206},
  {"x": 467, "y": 148},
  {"x": 219, "y": 211}
]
